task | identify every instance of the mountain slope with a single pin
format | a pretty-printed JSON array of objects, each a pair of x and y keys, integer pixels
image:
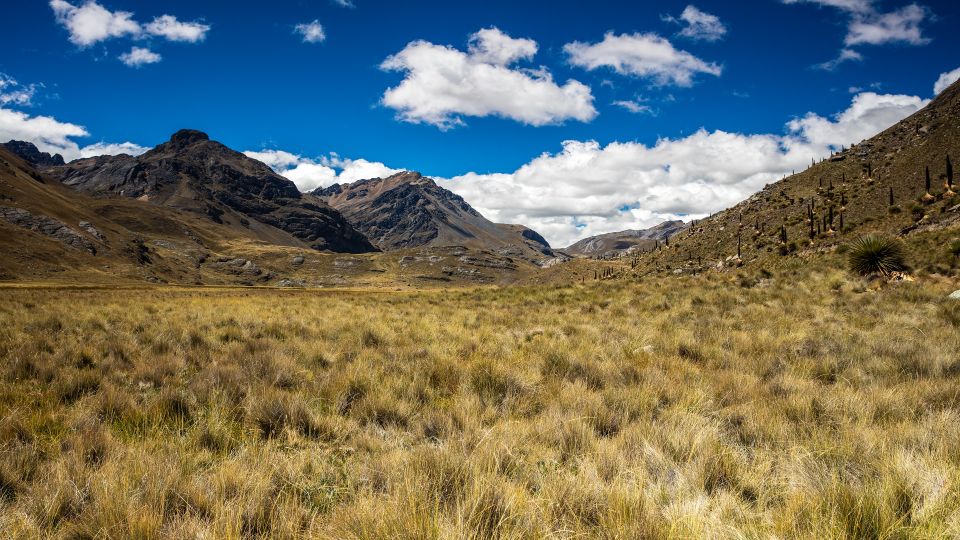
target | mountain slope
[
  {"x": 194, "y": 174},
  {"x": 854, "y": 186},
  {"x": 408, "y": 210},
  {"x": 617, "y": 243}
]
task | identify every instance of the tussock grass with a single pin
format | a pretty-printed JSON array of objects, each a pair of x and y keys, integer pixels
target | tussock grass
[{"x": 798, "y": 405}]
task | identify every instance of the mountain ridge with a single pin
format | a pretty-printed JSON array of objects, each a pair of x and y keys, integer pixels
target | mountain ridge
[{"x": 194, "y": 174}]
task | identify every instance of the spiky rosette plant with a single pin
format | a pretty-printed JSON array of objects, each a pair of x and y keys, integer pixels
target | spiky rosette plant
[{"x": 874, "y": 254}]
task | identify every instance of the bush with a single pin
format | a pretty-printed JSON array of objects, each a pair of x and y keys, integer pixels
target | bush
[{"x": 876, "y": 254}]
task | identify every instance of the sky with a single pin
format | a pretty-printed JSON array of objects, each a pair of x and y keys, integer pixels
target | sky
[{"x": 574, "y": 118}]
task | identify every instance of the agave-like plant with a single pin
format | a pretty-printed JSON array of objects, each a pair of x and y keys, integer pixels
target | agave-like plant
[{"x": 874, "y": 254}]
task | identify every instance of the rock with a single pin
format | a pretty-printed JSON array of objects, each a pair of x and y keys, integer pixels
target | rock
[
  {"x": 237, "y": 266},
  {"x": 297, "y": 260},
  {"x": 47, "y": 226},
  {"x": 291, "y": 283},
  {"x": 955, "y": 295},
  {"x": 91, "y": 230}
]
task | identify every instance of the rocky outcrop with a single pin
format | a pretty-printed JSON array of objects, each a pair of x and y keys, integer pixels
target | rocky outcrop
[
  {"x": 192, "y": 173},
  {"x": 616, "y": 243},
  {"x": 47, "y": 226},
  {"x": 32, "y": 155}
]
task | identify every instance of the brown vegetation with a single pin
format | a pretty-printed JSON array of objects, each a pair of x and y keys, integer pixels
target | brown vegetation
[{"x": 801, "y": 405}]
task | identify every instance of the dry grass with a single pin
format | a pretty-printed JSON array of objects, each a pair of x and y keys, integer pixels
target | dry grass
[{"x": 798, "y": 406}]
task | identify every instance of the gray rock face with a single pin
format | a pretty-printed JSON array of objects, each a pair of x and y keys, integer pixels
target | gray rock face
[
  {"x": 47, "y": 226},
  {"x": 955, "y": 295},
  {"x": 239, "y": 267},
  {"x": 91, "y": 230},
  {"x": 297, "y": 260},
  {"x": 32, "y": 155}
]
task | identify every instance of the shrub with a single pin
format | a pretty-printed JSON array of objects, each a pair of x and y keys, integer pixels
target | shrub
[{"x": 876, "y": 254}]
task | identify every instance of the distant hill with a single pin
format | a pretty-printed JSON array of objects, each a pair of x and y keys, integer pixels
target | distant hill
[
  {"x": 623, "y": 242},
  {"x": 191, "y": 173},
  {"x": 409, "y": 210},
  {"x": 877, "y": 185}
]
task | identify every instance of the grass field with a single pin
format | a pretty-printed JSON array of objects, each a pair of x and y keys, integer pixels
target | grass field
[{"x": 801, "y": 405}]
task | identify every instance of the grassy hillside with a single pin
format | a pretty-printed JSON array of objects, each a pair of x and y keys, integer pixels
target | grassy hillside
[
  {"x": 855, "y": 183},
  {"x": 797, "y": 405}
]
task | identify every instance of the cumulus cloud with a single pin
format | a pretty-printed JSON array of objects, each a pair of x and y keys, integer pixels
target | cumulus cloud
[
  {"x": 866, "y": 25},
  {"x": 641, "y": 55},
  {"x": 945, "y": 80},
  {"x": 311, "y": 32},
  {"x": 54, "y": 136},
  {"x": 900, "y": 26},
  {"x": 699, "y": 25},
  {"x": 442, "y": 84},
  {"x": 587, "y": 189},
  {"x": 167, "y": 26},
  {"x": 309, "y": 174},
  {"x": 139, "y": 56},
  {"x": 92, "y": 23},
  {"x": 14, "y": 93}
]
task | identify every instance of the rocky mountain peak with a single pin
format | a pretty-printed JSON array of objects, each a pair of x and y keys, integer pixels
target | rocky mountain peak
[
  {"x": 31, "y": 154},
  {"x": 186, "y": 137}
]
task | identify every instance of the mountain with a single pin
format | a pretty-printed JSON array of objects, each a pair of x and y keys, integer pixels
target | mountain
[
  {"x": 875, "y": 186},
  {"x": 31, "y": 154},
  {"x": 617, "y": 243},
  {"x": 409, "y": 210},
  {"x": 193, "y": 174}
]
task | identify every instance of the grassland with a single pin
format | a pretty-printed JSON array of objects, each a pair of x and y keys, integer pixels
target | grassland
[{"x": 802, "y": 405}]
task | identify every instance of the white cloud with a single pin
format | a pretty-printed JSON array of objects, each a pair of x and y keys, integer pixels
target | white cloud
[
  {"x": 641, "y": 55},
  {"x": 699, "y": 25},
  {"x": 309, "y": 174},
  {"x": 139, "y": 56},
  {"x": 945, "y": 80},
  {"x": 167, "y": 26},
  {"x": 868, "y": 114},
  {"x": 112, "y": 149},
  {"x": 92, "y": 23},
  {"x": 344, "y": 3},
  {"x": 491, "y": 46},
  {"x": 587, "y": 189},
  {"x": 900, "y": 26},
  {"x": 442, "y": 84},
  {"x": 846, "y": 55},
  {"x": 312, "y": 32},
  {"x": 14, "y": 93},
  {"x": 54, "y": 136},
  {"x": 633, "y": 106},
  {"x": 868, "y": 26}
]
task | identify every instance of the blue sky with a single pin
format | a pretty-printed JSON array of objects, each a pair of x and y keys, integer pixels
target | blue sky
[{"x": 242, "y": 72}]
